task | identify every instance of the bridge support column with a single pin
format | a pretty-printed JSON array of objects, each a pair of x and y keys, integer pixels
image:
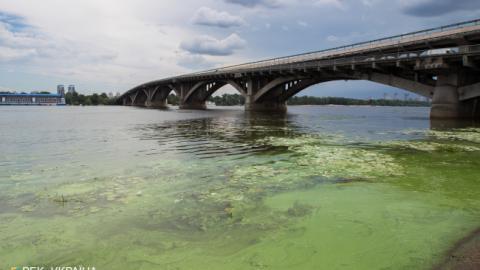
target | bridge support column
[
  {"x": 446, "y": 102},
  {"x": 156, "y": 104},
  {"x": 268, "y": 104}
]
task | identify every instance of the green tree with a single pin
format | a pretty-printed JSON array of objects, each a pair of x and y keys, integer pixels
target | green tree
[{"x": 173, "y": 100}]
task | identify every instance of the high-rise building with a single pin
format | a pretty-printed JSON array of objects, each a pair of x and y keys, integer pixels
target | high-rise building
[
  {"x": 61, "y": 90},
  {"x": 71, "y": 89}
]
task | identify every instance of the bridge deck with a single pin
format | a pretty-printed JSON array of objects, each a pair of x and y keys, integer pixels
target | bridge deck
[
  {"x": 390, "y": 48},
  {"x": 361, "y": 48}
]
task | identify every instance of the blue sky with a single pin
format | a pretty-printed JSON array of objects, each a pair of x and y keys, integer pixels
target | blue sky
[{"x": 113, "y": 45}]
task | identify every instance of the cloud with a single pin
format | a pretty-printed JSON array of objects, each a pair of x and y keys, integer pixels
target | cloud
[
  {"x": 126, "y": 43},
  {"x": 337, "y": 3},
  {"x": 273, "y": 4},
  {"x": 115, "y": 49},
  {"x": 302, "y": 23},
  {"x": 333, "y": 38},
  {"x": 17, "y": 40},
  {"x": 13, "y": 21},
  {"x": 194, "y": 61},
  {"x": 10, "y": 54},
  {"x": 255, "y": 3},
  {"x": 208, "y": 45},
  {"x": 211, "y": 17},
  {"x": 431, "y": 8}
]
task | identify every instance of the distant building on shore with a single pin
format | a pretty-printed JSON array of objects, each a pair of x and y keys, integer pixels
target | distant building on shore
[
  {"x": 71, "y": 89},
  {"x": 61, "y": 89},
  {"x": 32, "y": 99}
]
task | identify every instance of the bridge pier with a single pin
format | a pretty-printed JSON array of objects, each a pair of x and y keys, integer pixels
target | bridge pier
[
  {"x": 446, "y": 102},
  {"x": 266, "y": 106},
  {"x": 156, "y": 104},
  {"x": 193, "y": 105},
  {"x": 262, "y": 95}
]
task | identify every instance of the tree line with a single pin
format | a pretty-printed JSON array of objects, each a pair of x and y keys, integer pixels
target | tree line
[
  {"x": 309, "y": 100},
  {"x": 224, "y": 100},
  {"x": 228, "y": 100},
  {"x": 239, "y": 100},
  {"x": 87, "y": 100}
]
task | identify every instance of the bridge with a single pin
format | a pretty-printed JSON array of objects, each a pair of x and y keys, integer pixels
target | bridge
[{"x": 439, "y": 63}]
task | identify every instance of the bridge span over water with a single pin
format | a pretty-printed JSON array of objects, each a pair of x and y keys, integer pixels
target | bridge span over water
[{"x": 440, "y": 63}]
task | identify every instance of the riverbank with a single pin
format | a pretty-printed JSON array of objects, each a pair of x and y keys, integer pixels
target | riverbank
[{"x": 465, "y": 255}]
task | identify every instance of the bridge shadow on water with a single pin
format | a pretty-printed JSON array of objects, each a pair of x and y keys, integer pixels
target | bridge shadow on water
[
  {"x": 446, "y": 124},
  {"x": 229, "y": 135},
  {"x": 220, "y": 133}
]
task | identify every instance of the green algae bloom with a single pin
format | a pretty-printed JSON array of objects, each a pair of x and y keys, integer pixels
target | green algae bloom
[
  {"x": 469, "y": 134},
  {"x": 248, "y": 194}
]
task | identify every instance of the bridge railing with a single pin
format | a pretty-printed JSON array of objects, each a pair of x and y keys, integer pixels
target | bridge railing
[
  {"x": 344, "y": 49},
  {"x": 365, "y": 59},
  {"x": 379, "y": 58}
]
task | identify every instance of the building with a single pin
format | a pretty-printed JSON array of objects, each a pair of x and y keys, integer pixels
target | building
[
  {"x": 61, "y": 90},
  {"x": 71, "y": 89},
  {"x": 32, "y": 99}
]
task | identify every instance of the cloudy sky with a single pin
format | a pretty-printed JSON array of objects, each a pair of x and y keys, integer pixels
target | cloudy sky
[{"x": 113, "y": 45}]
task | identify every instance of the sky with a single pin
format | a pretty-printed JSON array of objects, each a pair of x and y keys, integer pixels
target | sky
[{"x": 114, "y": 45}]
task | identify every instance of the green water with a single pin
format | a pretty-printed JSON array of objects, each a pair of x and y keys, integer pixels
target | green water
[{"x": 319, "y": 188}]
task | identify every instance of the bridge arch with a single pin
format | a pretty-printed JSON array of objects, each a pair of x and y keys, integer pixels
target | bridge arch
[
  {"x": 238, "y": 86},
  {"x": 139, "y": 98},
  {"x": 201, "y": 91},
  {"x": 283, "y": 88}
]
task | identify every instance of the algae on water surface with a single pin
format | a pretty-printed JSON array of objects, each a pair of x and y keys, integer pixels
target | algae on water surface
[{"x": 242, "y": 193}]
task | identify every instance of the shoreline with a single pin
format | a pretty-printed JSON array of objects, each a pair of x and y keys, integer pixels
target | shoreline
[{"x": 464, "y": 255}]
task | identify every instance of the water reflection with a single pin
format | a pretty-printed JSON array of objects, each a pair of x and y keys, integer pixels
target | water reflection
[
  {"x": 217, "y": 137},
  {"x": 221, "y": 133},
  {"x": 446, "y": 124},
  {"x": 227, "y": 189}
]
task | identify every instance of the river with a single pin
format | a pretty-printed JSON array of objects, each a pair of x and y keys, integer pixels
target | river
[{"x": 323, "y": 187}]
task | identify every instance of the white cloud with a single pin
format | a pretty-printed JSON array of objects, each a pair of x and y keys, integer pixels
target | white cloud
[
  {"x": 332, "y": 38},
  {"x": 302, "y": 23},
  {"x": 208, "y": 45},
  {"x": 109, "y": 43},
  {"x": 284, "y": 3},
  {"x": 9, "y": 54},
  {"x": 211, "y": 17},
  {"x": 255, "y": 3},
  {"x": 341, "y": 4},
  {"x": 194, "y": 61}
]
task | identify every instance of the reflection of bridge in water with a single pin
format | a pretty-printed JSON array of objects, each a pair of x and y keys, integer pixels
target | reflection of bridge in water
[{"x": 438, "y": 63}]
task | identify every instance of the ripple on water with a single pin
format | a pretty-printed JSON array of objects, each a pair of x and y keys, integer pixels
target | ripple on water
[{"x": 240, "y": 192}]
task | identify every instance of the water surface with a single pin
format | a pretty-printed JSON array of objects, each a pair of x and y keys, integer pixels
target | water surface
[{"x": 319, "y": 188}]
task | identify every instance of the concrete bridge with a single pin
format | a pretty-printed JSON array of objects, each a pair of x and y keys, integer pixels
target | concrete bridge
[{"x": 440, "y": 63}]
